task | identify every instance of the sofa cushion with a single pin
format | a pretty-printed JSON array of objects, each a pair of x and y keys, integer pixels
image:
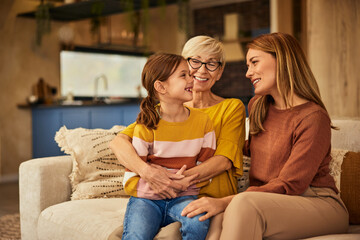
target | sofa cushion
[
  {"x": 336, "y": 237},
  {"x": 350, "y": 185},
  {"x": 243, "y": 181},
  {"x": 347, "y": 137},
  {"x": 90, "y": 219},
  {"x": 337, "y": 157},
  {"x": 96, "y": 171}
]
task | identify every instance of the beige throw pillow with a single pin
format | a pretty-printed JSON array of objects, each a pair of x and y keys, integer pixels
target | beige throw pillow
[
  {"x": 243, "y": 181},
  {"x": 96, "y": 171},
  {"x": 337, "y": 156}
]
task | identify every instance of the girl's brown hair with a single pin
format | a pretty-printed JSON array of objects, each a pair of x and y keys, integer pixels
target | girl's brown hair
[
  {"x": 293, "y": 75},
  {"x": 159, "y": 67}
]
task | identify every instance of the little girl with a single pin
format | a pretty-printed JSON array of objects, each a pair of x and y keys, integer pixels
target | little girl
[{"x": 170, "y": 135}]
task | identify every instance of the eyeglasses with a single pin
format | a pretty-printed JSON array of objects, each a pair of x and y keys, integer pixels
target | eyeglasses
[{"x": 196, "y": 64}]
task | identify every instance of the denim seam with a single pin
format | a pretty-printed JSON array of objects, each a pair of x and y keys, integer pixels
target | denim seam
[{"x": 126, "y": 216}]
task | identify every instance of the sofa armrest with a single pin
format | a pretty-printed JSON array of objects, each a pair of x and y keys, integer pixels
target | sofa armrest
[{"x": 43, "y": 182}]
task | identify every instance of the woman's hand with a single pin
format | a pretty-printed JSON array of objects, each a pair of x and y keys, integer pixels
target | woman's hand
[
  {"x": 209, "y": 169},
  {"x": 208, "y": 205},
  {"x": 178, "y": 178},
  {"x": 187, "y": 181},
  {"x": 161, "y": 181}
]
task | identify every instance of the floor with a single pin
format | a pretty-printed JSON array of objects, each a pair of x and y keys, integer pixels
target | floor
[{"x": 9, "y": 198}]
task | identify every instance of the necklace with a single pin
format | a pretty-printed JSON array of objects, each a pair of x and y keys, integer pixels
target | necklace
[{"x": 158, "y": 111}]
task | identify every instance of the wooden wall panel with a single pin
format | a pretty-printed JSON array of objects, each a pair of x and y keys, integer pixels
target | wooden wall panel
[{"x": 333, "y": 31}]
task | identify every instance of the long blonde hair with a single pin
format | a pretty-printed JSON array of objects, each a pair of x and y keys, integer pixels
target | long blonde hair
[
  {"x": 160, "y": 67},
  {"x": 293, "y": 75}
]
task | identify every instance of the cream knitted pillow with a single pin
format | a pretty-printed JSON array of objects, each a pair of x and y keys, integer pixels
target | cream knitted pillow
[
  {"x": 243, "y": 181},
  {"x": 96, "y": 172},
  {"x": 337, "y": 156}
]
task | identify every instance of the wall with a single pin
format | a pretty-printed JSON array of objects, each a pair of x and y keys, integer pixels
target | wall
[
  {"x": 281, "y": 16},
  {"x": 253, "y": 19},
  {"x": 22, "y": 63},
  {"x": 333, "y": 50}
]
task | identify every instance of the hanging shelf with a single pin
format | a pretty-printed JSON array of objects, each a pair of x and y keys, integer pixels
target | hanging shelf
[{"x": 82, "y": 10}]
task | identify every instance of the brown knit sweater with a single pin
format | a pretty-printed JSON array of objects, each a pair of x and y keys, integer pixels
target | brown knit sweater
[{"x": 293, "y": 152}]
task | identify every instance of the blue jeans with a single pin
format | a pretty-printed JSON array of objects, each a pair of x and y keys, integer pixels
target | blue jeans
[{"x": 144, "y": 218}]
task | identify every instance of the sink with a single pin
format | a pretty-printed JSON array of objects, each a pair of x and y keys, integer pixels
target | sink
[
  {"x": 114, "y": 100},
  {"x": 74, "y": 102}
]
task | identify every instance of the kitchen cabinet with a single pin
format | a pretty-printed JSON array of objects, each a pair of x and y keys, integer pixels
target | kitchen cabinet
[{"x": 47, "y": 120}]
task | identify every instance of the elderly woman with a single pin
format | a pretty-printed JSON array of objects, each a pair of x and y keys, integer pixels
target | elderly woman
[{"x": 206, "y": 61}]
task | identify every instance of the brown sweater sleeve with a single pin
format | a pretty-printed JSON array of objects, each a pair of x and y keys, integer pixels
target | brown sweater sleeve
[{"x": 309, "y": 154}]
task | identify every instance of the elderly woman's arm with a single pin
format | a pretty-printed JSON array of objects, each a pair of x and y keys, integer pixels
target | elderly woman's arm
[
  {"x": 210, "y": 168},
  {"x": 159, "y": 179}
]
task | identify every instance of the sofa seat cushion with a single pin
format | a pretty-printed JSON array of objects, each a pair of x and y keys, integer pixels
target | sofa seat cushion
[
  {"x": 336, "y": 237},
  {"x": 353, "y": 234},
  {"x": 82, "y": 219}
]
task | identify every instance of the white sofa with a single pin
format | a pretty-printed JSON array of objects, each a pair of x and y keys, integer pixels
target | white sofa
[{"x": 47, "y": 213}]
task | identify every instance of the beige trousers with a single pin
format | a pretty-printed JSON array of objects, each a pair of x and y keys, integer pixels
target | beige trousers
[{"x": 259, "y": 215}]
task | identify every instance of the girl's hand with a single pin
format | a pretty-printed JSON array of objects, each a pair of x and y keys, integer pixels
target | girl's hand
[
  {"x": 178, "y": 178},
  {"x": 161, "y": 181},
  {"x": 208, "y": 205},
  {"x": 188, "y": 180}
]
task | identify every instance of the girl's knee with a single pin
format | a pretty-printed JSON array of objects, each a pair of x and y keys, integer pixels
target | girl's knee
[
  {"x": 196, "y": 222},
  {"x": 193, "y": 224}
]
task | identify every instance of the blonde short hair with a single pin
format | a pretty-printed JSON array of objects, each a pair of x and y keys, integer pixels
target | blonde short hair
[{"x": 204, "y": 44}]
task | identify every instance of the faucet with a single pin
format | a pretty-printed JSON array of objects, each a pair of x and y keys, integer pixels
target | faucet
[{"x": 101, "y": 76}]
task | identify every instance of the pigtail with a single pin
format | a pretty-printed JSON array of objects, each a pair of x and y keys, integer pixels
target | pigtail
[{"x": 148, "y": 114}]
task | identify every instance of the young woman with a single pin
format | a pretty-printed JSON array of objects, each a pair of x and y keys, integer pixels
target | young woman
[
  {"x": 291, "y": 193},
  {"x": 206, "y": 60},
  {"x": 171, "y": 136}
]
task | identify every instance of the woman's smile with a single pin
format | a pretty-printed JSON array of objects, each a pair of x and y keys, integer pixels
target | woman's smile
[
  {"x": 255, "y": 81},
  {"x": 200, "y": 79}
]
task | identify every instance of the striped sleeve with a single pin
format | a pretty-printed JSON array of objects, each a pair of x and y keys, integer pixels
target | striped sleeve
[{"x": 129, "y": 130}]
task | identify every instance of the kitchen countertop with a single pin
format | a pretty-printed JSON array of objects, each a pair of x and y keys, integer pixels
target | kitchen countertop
[{"x": 82, "y": 103}]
